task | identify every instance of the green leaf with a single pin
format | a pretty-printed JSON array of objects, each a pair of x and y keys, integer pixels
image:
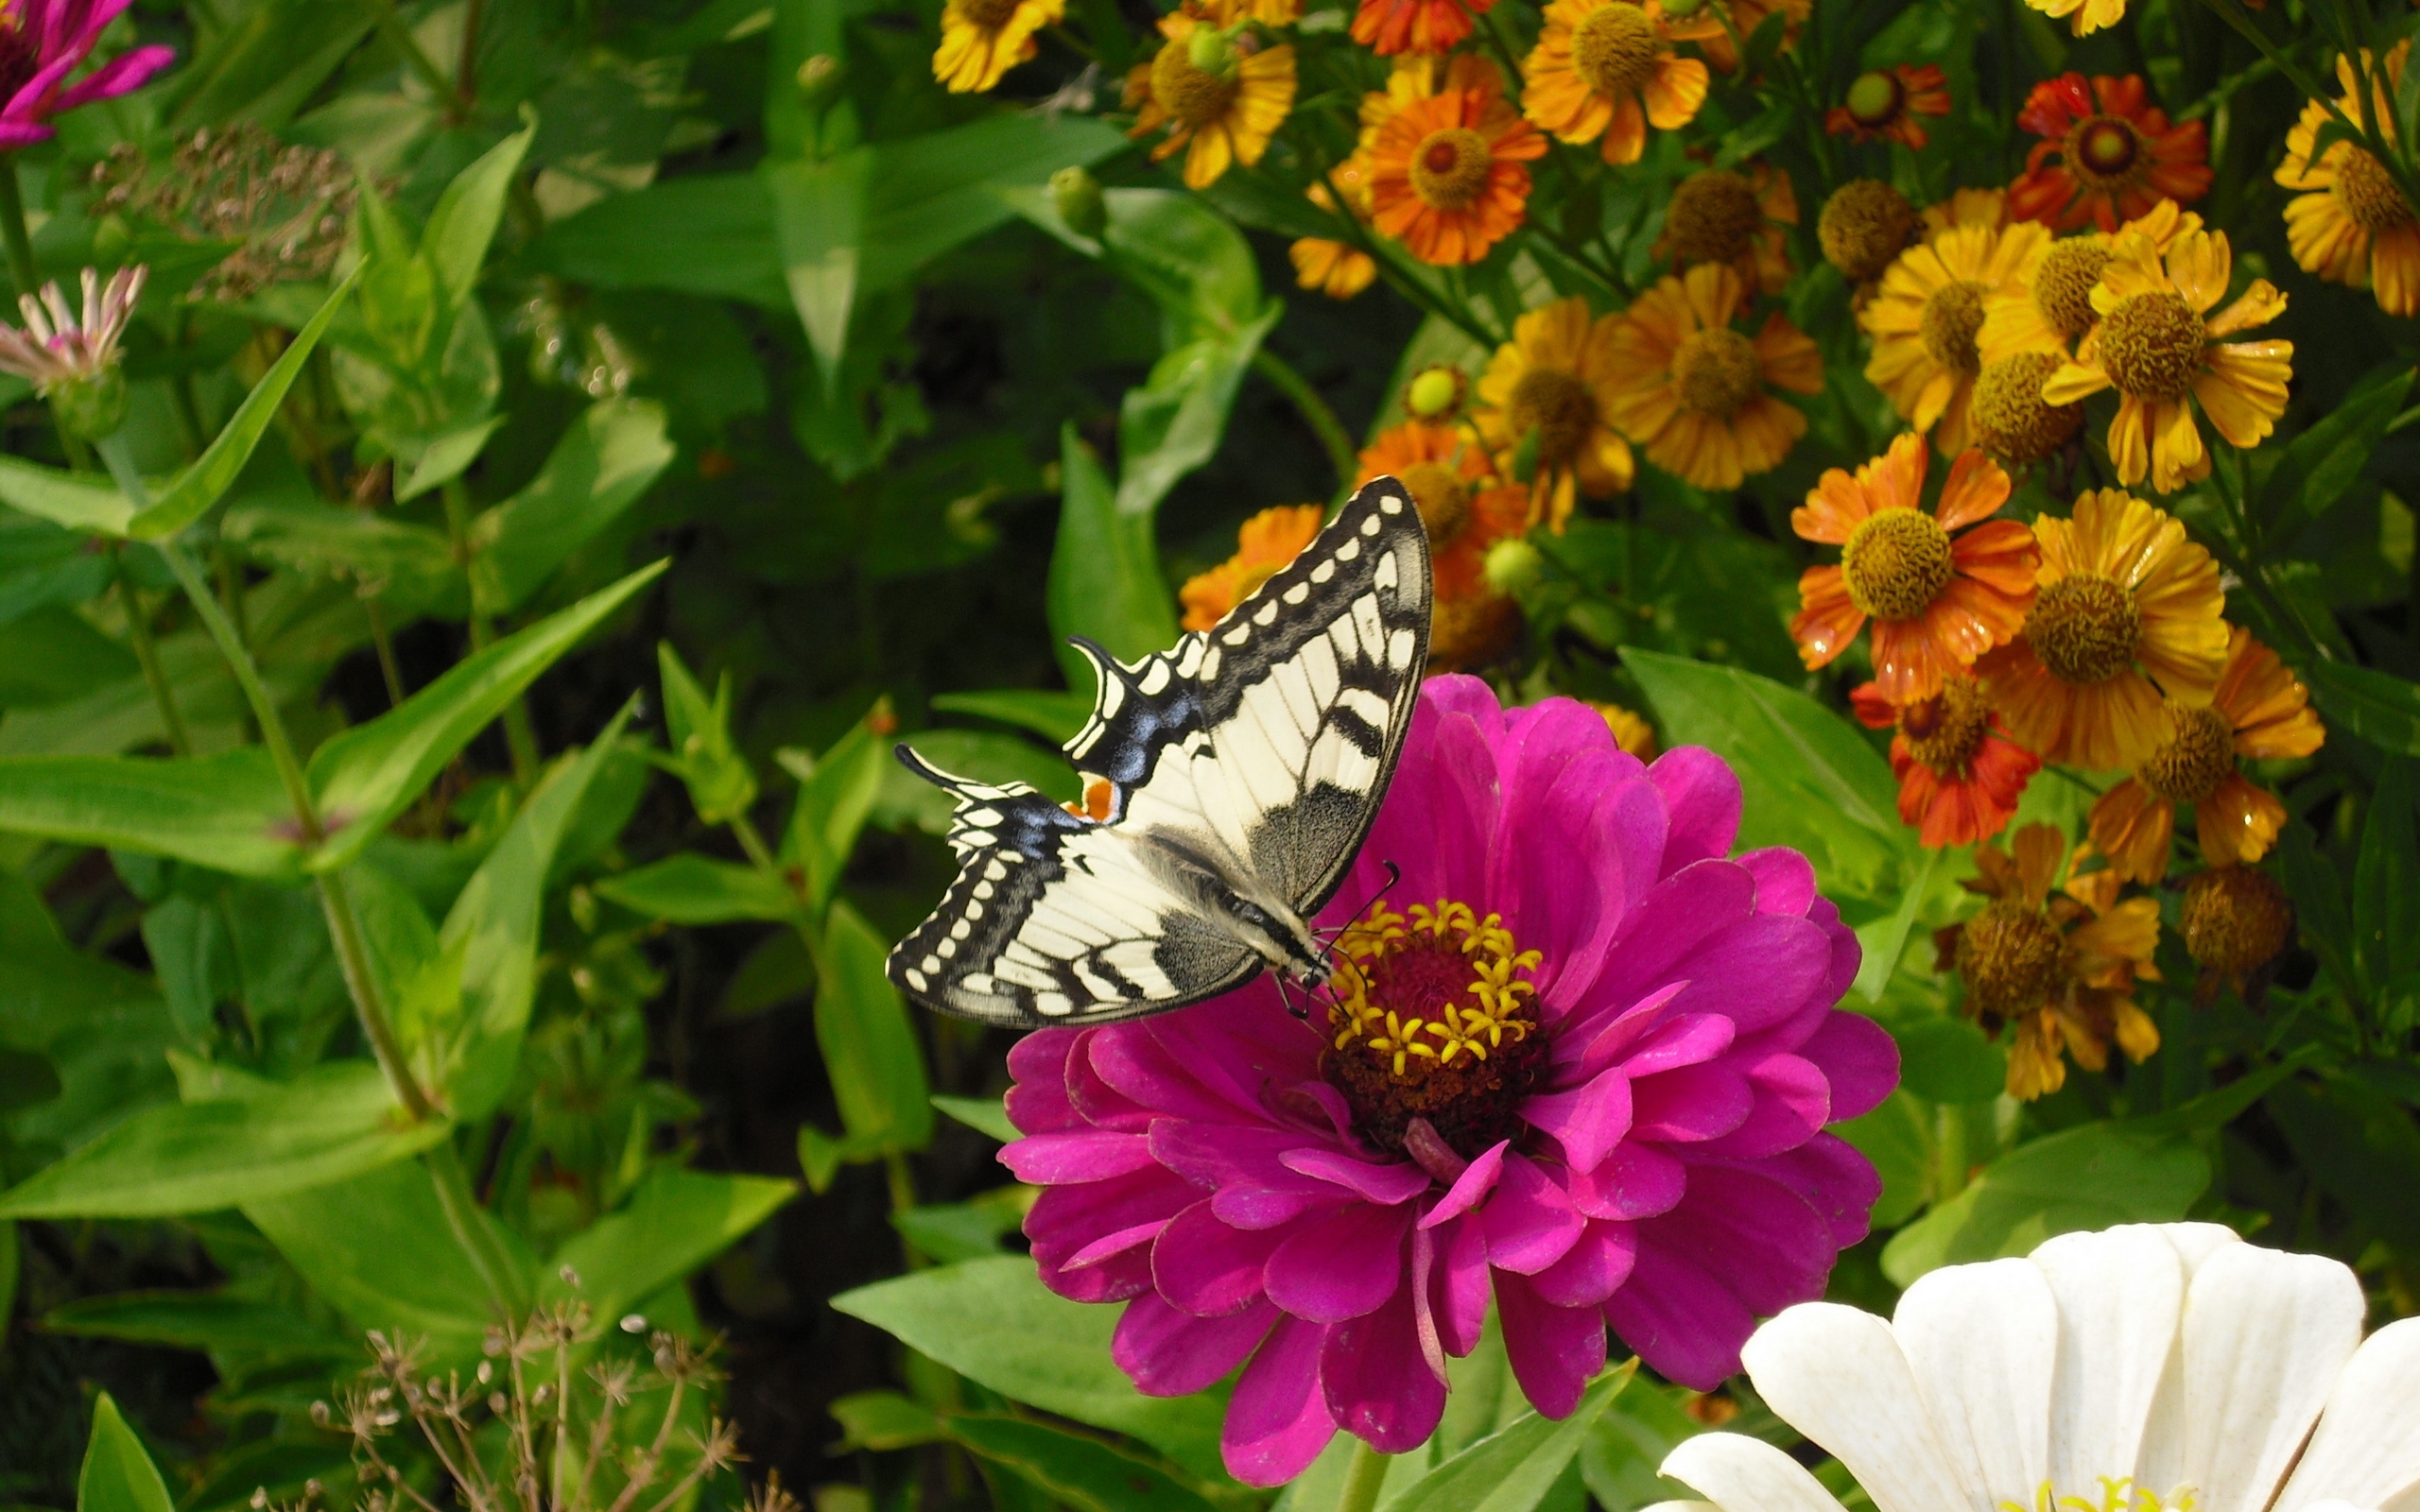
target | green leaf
[
  {"x": 227, "y": 811},
  {"x": 52, "y": 655},
  {"x": 676, "y": 1222},
  {"x": 2386, "y": 881},
  {"x": 337, "y": 1120},
  {"x": 883, "y": 1420},
  {"x": 819, "y": 221},
  {"x": 1057, "y": 717},
  {"x": 118, "y": 1475},
  {"x": 609, "y": 457},
  {"x": 1944, "y": 1060},
  {"x": 949, "y": 1232},
  {"x": 2360, "y": 1144},
  {"x": 199, "y": 485},
  {"x": 1809, "y": 777},
  {"x": 2317, "y": 888},
  {"x": 1622, "y": 1457},
  {"x": 2321, "y": 464},
  {"x": 835, "y": 798},
  {"x": 985, "y": 1115},
  {"x": 991, "y": 1321},
  {"x": 721, "y": 785},
  {"x": 709, "y": 234},
  {"x": 445, "y": 458},
  {"x": 1074, "y": 1471},
  {"x": 1885, "y": 940},
  {"x": 936, "y": 191},
  {"x": 2090, "y": 1176},
  {"x": 467, "y": 213},
  {"x": 268, "y": 61},
  {"x": 869, "y": 1049},
  {"x": 1173, "y": 424},
  {"x": 1105, "y": 582},
  {"x": 62, "y": 498},
  {"x": 2381, "y": 709},
  {"x": 491, "y": 933},
  {"x": 1513, "y": 1469},
  {"x": 365, "y": 777},
  {"x": 1895, "y": 1136},
  {"x": 220, "y": 1322},
  {"x": 688, "y": 888}
]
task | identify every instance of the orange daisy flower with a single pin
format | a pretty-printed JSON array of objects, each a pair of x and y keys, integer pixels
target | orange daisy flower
[
  {"x": 2260, "y": 710},
  {"x": 1337, "y": 269},
  {"x": 1725, "y": 215},
  {"x": 1467, "y": 509},
  {"x": 1264, "y": 544},
  {"x": 1555, "y": 379},
  {"x": 1447, "y": 177},
  {"x": 1987, "y": 208},
  {"x": 2122, "y": 598},
  {"x": 2046, "y": 306},
  {"x": 1429, "y": 27},
  {"x": 1923, "y": 319},
  {"x": 1221, "y": 101},
  {"x": 982, "y": 39},
  {"x": 1884, "y": 104},
  {"x": 2353, "y": 226},
  {"x": 2118, "y": 155},
  {"x": 1942, "y": 588},
  {"x": 1695, "y": 393},
  {"x": 1607, "y": 68},
  {"x": 2061, "y": 969},
  {"x": 1960, "y": 774},
  {"x": 1712, "y": 36}
]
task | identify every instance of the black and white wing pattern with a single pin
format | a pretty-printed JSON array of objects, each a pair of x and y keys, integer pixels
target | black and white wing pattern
[{"x": 1230, "y": 778}]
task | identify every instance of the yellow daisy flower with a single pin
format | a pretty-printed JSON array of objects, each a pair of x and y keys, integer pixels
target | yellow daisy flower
[
  {"x": 2157, "y": 345},
  {"x": 1740, "y": 216},
  {"x": 2046, "y": 306},
  {"x": 2353, "y": 226},
  {"x": 2124, "y": 607},
  {"x": 1556, "y": 377},
  {"x": 1967, "y": 207},
  {"x": 983, "y": 38},
  {"x": 1607, "y": 68},
  {"x": 1696, "y": 393},
  {"x": 1926, "y": 315},
  {"x": 1220, "y": 96}
]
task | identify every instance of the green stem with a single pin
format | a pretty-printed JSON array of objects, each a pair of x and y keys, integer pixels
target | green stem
[
  {"x": 1408, "y": 285},
  {"x": 1364, "y": 1478},
  {"x": 384, "y": 641},
  {"x": 902, "y": 1197},
  {"x": 469, "y": 1223},
  {"x": 1315, "y": 412},
  {"x": 399, "y": 37},
  {"x": 360, "y": 977},
  {"x": 248, "y": 676},
  {"x": 1950, "y": 1158},
  {"x": 147, "y": 654},
  {"x": 520, "y": 736},
  {"x": 13, "y": 228}
]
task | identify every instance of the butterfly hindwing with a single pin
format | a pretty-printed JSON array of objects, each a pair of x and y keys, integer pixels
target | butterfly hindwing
[{"x": 1261, "y": 747}]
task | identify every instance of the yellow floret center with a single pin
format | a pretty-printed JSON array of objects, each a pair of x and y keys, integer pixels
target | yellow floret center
[
  {"x": 1945, "y": 731},
  {"x": 1953, "y": 315},
  {"x": 1864, "y": 225},
  {"x": 2237, "y": 920},
  {"x": 2150, "y": 345},
  {"x": 1444, "y": 498},
  {"x": 2197, "y": 756},
  {"x": 1558, "y": 408},
  {"x": 988, "y": 14},
  {"x": 2012, "y": 957},
  {"x": 1615, "y": 48},
  {"x": 1715, "y": 371},
  {"x": 2062, "y": 284},
  {"x": 2102, "y": 151},
  {"x": 1713, "y": 218},
  {"x": 1896, "y": 562},
  {"x": 2009, "y": 417},
  {"x": 1449, "y": 167},
  {"x": 2085, "y": 628}
]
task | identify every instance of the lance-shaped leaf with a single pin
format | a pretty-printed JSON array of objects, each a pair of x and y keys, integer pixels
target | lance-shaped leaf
[
  {"x": 64, "y": 499},
  {"x": 365, "y": 777},
  {"x": 199, "y": 485},
  {"x": 228, "y": 811},
  {"x": 599, "y": 469},
  {"x": 118, "y": 1475}
]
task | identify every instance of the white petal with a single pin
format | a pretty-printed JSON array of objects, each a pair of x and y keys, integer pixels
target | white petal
[
  {"x": 1681, "y": 1506},
  {"x": 1743, "y": 1475},
  {"x": 2367, "y": 1449},
  {"x": 1838, "y": 1376},
  {"x": 2120, "y": 1297},
  {"x": 2265, "y": 1333},
  {"x": 2197, "y": 1242},
  {"x": 1982, "y": 1340}
]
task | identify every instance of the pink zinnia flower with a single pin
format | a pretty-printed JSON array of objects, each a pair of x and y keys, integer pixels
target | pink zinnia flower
[
  {"x": 1577, "y": 1060},
  {"x": 41, "y": 42}
]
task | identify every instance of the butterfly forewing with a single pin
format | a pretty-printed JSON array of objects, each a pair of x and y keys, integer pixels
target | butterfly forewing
[{"x": 1263, "y": 745}]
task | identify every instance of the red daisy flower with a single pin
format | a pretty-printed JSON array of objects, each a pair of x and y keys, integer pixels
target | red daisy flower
[
  {"x": 1960, "y": 774},
  {"x": 2118, "y": 155},
  {"x": 1391, "y": 26}
]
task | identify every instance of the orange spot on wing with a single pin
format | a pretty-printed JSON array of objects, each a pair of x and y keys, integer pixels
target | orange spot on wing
[{"x": 1097, "y": 794}]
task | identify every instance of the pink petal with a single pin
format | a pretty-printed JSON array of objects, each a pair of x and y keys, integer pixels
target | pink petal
[
  {"x": 1835, "y": 1178},
  {"x": 1858, "y": 1057},
  {"x": 1605, "y": 1037},
  {"x": 1679, "y": 1320},
  {"x": 1680, "y": 1040},
  {"x": 1632, "y": 1181},
  {"x": 1379, "y": 1383},
  {"x": 1587, "y": 1120},
  {"x": 1784, "y": 880},
  {"x": 1110, "y": 1246},
  {"x": 1038, "y": 1102},
  {"x": 119, "y": 75},
  {"x": 1341, "y": 1265},
  {"x": 1703, "y": 796},
  {"x": 1278, "y": 1421},
  {"x": 1661, "y": 940},
  {"x": 1053, "y": 1160},
  {"x": 1399, "y": 1181},
  {"x": 1528, "y": 1219},
  {"x": 1095, "y": 1099},
  {"x": 1458, "y": 1286},
  {"x": 1208, "y": 1268},
  {"x": 1598, "y": 1264},
  {"x": 1170, "y": 1353},
  {"x": 1701, "y": 1102},
  {"x": 1757, "y": 971},
  {"x": 1478, "y": 1180},
  {"x": 1554, "y": 1349},
  {"x": 1793, "y": 1101}
]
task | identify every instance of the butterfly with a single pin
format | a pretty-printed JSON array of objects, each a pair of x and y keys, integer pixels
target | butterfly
[{"x": 1228, "y": 782}]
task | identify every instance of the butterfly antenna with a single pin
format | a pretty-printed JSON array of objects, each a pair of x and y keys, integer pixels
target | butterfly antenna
[{"x": 1330, "y": 935}]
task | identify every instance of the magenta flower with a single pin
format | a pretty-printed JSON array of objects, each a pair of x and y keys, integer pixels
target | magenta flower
[
  {"x": 41, "y": 42},
  {"x": 1579, "y": 1060}
]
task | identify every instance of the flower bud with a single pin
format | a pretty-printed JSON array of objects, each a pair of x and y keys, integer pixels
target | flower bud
[
  {"x": 1211, "y": 51},
  {"x": 1873, "y": 99},
  {"x": 1076, "y": 195},
  {"x": 1435, "y": 393},
  {"x": 1513, "y": 566},
  {"x": 92, "y": 407},
  {"x": 817, "y": 77}
]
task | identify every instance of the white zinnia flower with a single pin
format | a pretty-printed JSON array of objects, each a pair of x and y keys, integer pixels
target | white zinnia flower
[{"x": 2149, "y": 1369}]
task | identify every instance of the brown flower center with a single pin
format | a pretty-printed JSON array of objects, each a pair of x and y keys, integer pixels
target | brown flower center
[
  {"x": 2062, "y": 284},
  {"x": 2367, "y": 192},
  {"x": 2150, "y": 345},
  {"x": 1874, "y": 98},
  {"x": 2237, "y": 920},
  {"x": 1615, "y": 47},
  {"x": 1953, "y": 315},
  {"x": 1194, "y": 96},
  {"x": 2200, "y": 753},
  {"x": 1435, "y": 1019},
  {"x": 1896, "y": 563},
  {"x": 1714, "y": 218},
  {"x": 2012, "y": 958},
  {"x": 2009, "y": 417},
  {"x": 1449, "y": 167},
  {"x": 1558, "y": 408},
  {"x": 2102, "y": 150},
  {"x": 2084, "y": 629},
  {"x": 1716, "y": 370},
  {"x": 1443, "y": 498},
  {"x": 20, "y": 51},
  {"x": 1865, "y": 224},
  {"x": 988, "y": 14},
  {"x": 1945, "y": 731}
]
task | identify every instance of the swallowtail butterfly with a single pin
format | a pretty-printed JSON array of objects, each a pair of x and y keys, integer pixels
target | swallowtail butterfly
[{"x": 1227, "y": 782}]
